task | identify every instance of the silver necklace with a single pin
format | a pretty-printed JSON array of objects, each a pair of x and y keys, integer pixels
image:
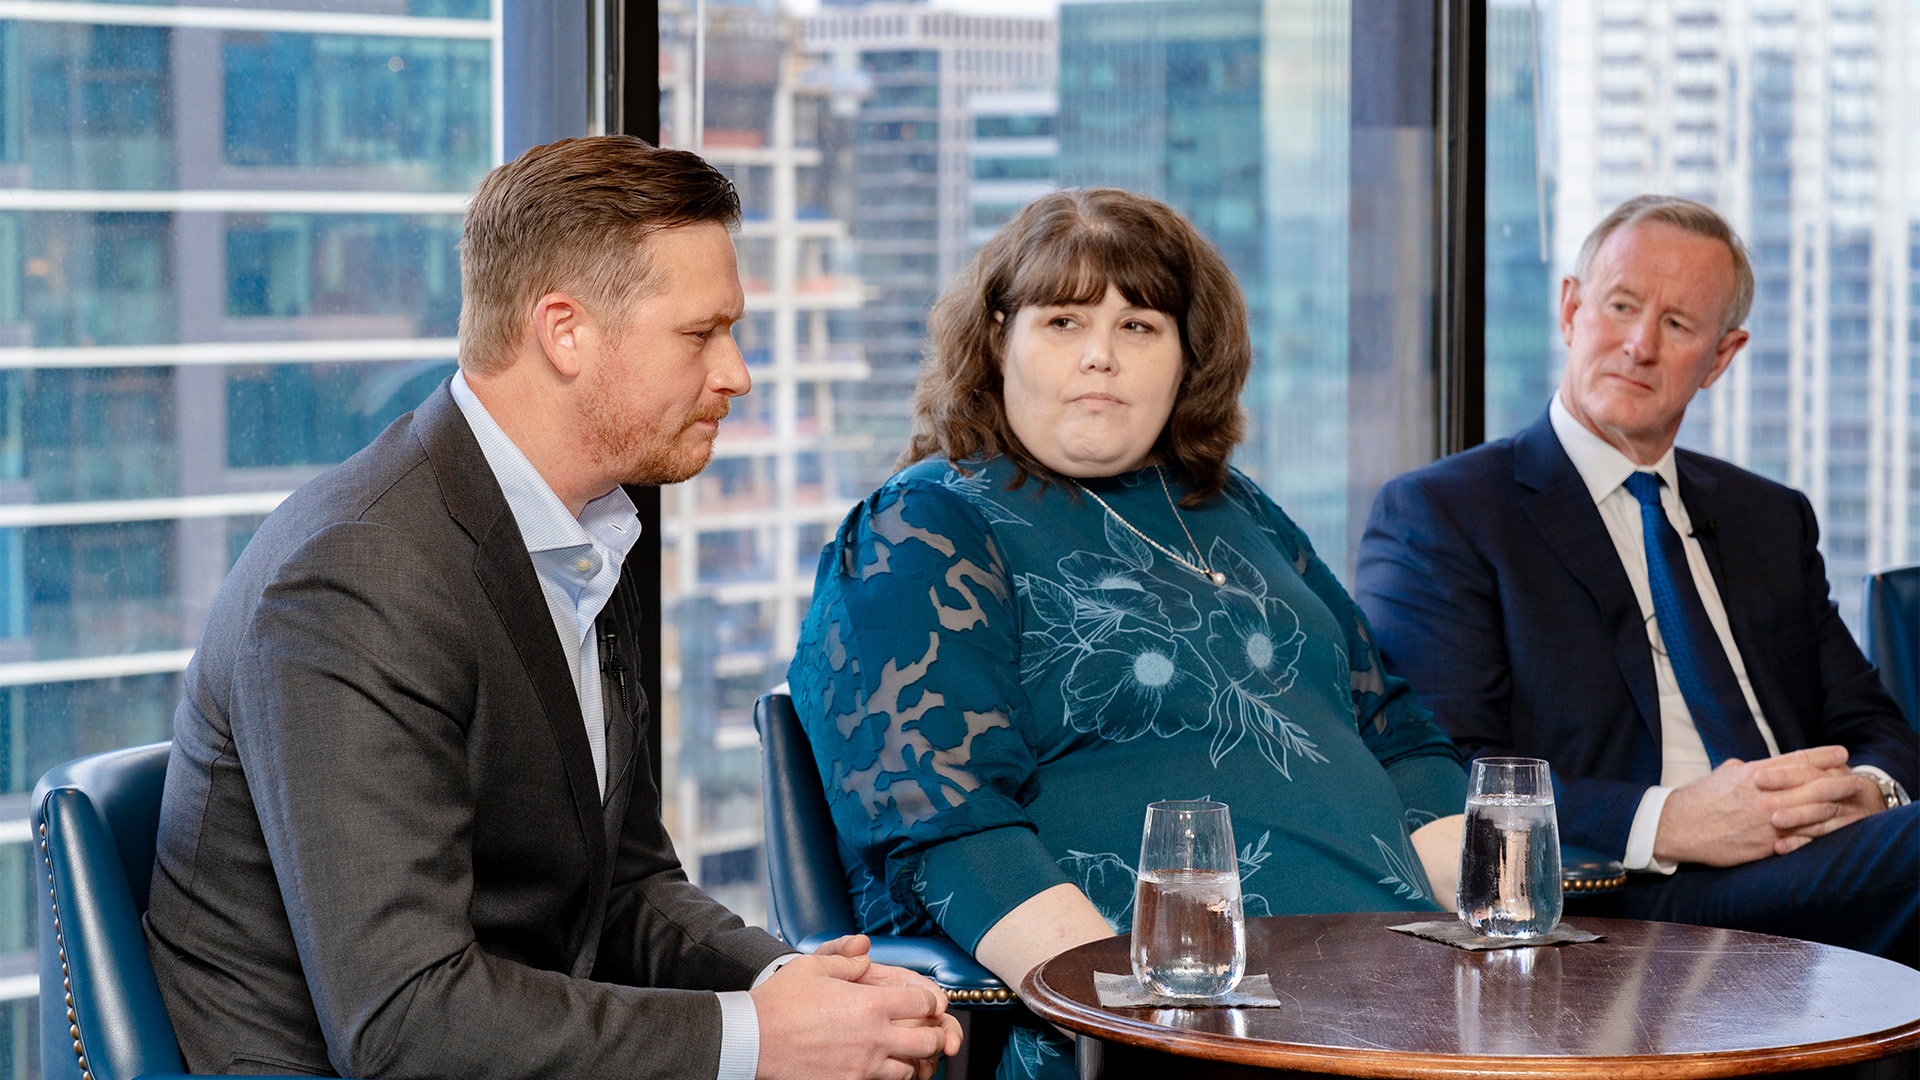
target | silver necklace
[{"x": 1198, "y": 565}]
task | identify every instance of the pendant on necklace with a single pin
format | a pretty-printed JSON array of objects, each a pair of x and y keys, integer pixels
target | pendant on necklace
[{"x": 1216, "y": 577}]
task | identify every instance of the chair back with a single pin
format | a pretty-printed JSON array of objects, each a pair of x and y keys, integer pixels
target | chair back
[
  {"x": 101, "y": 1015},
  {"x": 805, "y": 877},
  {"x": 1890, "y": 633}
]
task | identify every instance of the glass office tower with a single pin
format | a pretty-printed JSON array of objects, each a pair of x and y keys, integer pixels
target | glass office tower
[
  {"x": 229, "y": 260},
  {"x": 1238, "y": 114},
  {"x": 1521, "y": 369},
  {"x": 911, "y": 175}
]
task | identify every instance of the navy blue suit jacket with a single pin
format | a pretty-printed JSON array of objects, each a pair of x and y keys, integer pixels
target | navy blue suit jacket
[{"x": 1495, "y": 589}]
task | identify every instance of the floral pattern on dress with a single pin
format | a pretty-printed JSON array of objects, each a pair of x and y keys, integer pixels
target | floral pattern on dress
[
  {"x": 1405, "y": 875},
  {"x": 1124, "y": 627}
]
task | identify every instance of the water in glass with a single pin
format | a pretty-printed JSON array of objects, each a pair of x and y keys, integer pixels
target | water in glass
[
  {"x": 1510, "y": 865},
  {"x": 1189, "y": 933}
]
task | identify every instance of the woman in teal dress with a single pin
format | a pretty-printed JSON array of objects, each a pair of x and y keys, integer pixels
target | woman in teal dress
[{"x": 1068, "y": 605}]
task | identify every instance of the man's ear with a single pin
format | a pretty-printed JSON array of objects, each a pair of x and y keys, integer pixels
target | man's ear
[
  {"x": 1569, "y": 303},
  {"x": 1729, "y": 344},
  {"x": 562, "y": 328}
]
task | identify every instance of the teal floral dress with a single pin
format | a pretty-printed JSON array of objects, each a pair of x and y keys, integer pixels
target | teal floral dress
[{"x": 996, "y": 682}]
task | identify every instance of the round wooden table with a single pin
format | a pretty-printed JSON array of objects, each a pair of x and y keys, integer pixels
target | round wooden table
[{"x": 1653, "y": 1000}]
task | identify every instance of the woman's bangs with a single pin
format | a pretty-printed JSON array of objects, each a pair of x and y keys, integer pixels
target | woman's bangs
[
  {"x": 1078, "y": 267},
  {"x": 1057, "y": 273}
]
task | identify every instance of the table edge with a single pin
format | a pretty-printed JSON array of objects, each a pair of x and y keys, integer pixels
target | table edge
[
  {"x": 1111, "y": 1027},
  {"x": 1406, "y": 1065}
]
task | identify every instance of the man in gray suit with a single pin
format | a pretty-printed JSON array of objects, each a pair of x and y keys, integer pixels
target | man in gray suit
[{"x": 410, "y": 828}]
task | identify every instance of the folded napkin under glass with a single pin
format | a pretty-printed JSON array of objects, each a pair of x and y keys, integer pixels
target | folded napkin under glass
[
  {"x": 1126, "y": 992},
  {"x": 1461, "y": 936}
]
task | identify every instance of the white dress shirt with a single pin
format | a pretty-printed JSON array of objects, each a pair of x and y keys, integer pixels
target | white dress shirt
[
  {"x": 1683, "y": 756},
  {"x": 578, "y": 562}
]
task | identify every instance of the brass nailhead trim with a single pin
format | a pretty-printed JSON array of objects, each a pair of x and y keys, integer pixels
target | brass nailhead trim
[
  {"x": 998, "y": 996},
  {"x": 66, "y": 974}
]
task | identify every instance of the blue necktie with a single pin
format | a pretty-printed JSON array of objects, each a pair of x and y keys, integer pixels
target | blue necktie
[{"x": 1700, "y": 665}]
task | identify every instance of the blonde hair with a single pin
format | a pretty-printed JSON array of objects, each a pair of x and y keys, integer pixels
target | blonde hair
[
  {"x": 1066, "y": 248},
  {"x": 571, "y": 217}
]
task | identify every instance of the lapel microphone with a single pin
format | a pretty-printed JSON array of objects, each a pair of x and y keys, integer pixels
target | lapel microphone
[{"x": 1706, "y": 530}]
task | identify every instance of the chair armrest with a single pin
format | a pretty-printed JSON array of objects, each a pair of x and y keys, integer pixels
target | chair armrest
[
  {"x": 963, "y": 978},
  {"x": 1586, "y": 872}
]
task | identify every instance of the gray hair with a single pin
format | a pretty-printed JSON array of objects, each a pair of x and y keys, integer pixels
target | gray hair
[{"x": 1687, "y": 216}]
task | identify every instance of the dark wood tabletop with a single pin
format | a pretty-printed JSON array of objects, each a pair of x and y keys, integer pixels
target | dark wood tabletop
[{"x": 1653, "y": 1000}]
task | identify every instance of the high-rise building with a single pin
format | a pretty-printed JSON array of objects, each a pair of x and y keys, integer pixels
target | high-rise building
[
  {"x": 227, "y": 259},
  {"x": 741, "y": 539},
  {"x": 1521, "y": 287},
  {"x": 1016, "y": 157},
  {"x": 1798, "y": 120},
  {"x": 1238, "y": 114},
  {"x": 912, "y": 174}
]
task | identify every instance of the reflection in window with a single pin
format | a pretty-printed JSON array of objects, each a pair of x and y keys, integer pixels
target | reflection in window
[
  {"x": 318, "y": 414},
  {"x": 343, "y": 264},
  {"x": 403, "y": 105},
  {"x": 99, "y": 278},
  {"x": 98, "y": 433},
  {"x": 87, "y": 106},
  {"x": 102, "y": 589}
]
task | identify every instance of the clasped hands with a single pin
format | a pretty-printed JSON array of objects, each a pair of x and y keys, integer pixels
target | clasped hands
[
  {"x": 1748, "y": 810},
  {"x": 837, "y": 1014}
]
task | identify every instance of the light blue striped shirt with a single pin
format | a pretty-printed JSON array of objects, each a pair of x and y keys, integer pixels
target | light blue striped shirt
[{"x": 578, "y": 563}]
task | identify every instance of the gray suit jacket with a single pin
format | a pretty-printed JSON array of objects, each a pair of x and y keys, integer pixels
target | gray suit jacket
[{"x": 382, "y": 849}]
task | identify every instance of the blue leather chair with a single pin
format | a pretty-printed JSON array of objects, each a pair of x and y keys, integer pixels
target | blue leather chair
[
  {"x": 1890, "y": 633},
  {"x": 808, "y": 886},
  {"x": 101, "y": 1016}
]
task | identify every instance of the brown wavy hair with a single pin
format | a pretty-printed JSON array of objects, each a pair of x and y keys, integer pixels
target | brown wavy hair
[{"x": 1066, "y": 248}]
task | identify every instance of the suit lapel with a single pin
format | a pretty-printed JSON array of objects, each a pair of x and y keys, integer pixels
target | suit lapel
[
  {"x": 1700, "y": 492},
  {"x": 623, "y": 712},
  {"x": 1562, "y": 509},
  {"x": 1726, "y": 539},
  {"x": 506, "y": 573}
]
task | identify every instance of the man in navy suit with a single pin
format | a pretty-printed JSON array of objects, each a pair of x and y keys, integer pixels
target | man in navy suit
[{"x": 1656, "y": 623}]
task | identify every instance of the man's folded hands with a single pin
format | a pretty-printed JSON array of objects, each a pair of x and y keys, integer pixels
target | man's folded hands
[{"x": 837, "y": 1015}]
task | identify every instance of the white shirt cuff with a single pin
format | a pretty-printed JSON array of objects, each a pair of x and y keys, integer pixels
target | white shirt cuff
[
  {"x": 739, "y": 1036},
  {"x": 740, "y": 1027},
  {"x": 774, "y": 965},
  {"x": 1646, "y": 828},
  {"x": 1874, "y": 771}
]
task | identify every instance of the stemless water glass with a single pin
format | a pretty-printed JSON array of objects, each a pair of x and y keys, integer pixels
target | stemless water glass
[
  {"x": 1189, "y": 933},
  {"x": 1510, "y": 855}
]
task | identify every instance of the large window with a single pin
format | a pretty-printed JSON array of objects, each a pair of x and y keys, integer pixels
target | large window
[
  {"x": 1796, "y": 119},
  {"x": 878, "y": 144},
  {"x": 227, "y": 260}
]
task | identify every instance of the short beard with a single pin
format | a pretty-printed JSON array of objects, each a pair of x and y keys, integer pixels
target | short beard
[{"x": 636, "y": 455}]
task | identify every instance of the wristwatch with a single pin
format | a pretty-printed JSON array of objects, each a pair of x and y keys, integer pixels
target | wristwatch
[{"x": 1890, "y": 789}]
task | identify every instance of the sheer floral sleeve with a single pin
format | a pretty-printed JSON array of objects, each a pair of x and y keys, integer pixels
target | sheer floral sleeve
[
  {"x": 907, "y": 679},
  {"x": 1417, "y": 754}
]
